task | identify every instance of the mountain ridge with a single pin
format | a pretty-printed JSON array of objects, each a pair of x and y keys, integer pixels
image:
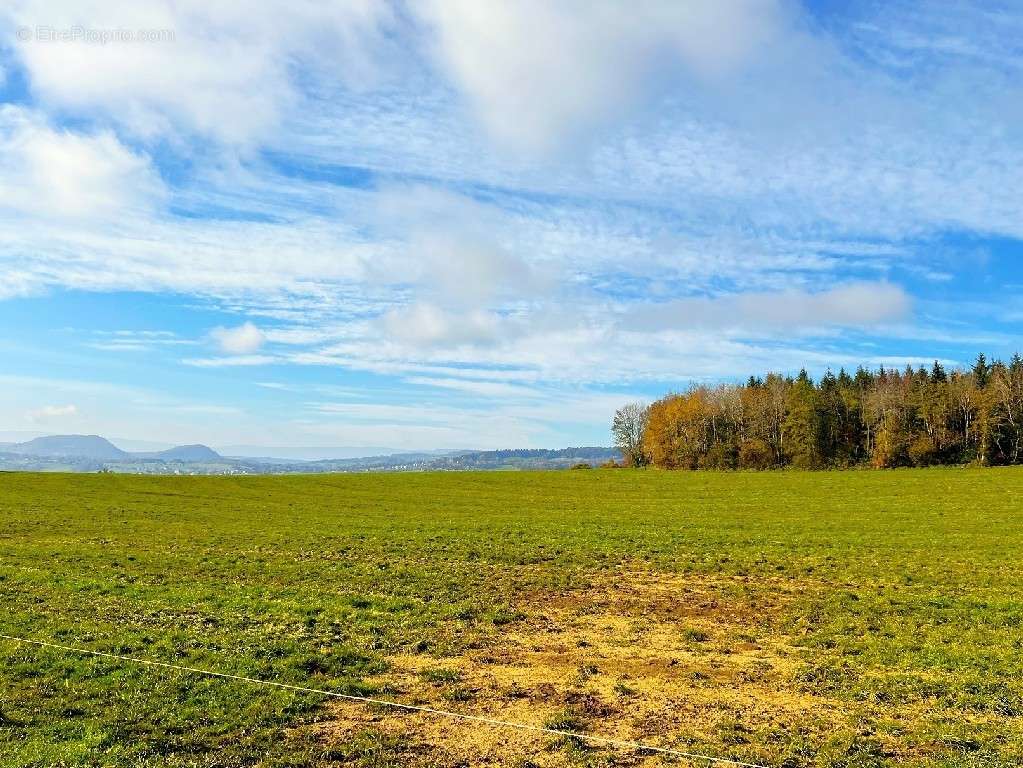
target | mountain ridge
[
  {"x": 92, "y": 453},
  {"x": 97, "y": 448},
  {"x": 78, "y": 446},
  {"x": 193, "y": 452}
]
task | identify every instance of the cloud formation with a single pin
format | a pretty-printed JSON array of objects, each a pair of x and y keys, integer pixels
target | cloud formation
[
  {"x": 537, "y": 74},
  {"x": 59, "y": 173},
  {"x": 547, "y": 197},
  {"x": 225, "y": 71},
  {"x": 429, "y": 325},
  {"x": 856, "y": 305},
  {"x": 464, "y": 251},
  {"x": 51, "y": 413},
  {"x": 244, "y": 339}
]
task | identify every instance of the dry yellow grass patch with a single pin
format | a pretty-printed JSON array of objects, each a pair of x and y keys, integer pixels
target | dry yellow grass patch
[{"x": 666, "y": 660}]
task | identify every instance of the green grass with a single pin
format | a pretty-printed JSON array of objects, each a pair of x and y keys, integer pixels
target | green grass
[{"x": 909, "y": 600}]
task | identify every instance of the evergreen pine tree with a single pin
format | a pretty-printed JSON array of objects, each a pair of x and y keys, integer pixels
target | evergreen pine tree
[
  {"x": 802, "y": 428},
  {"x": 981, "y": 371}
]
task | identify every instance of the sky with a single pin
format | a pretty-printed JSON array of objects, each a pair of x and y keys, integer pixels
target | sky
[{"x": 462, "y": 224}]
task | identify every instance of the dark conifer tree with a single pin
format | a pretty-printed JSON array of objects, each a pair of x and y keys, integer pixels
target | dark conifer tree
[{"x": 981, "y": 371}]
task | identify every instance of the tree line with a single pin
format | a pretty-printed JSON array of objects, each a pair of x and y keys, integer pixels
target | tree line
[{"x": 883, "y": 418}]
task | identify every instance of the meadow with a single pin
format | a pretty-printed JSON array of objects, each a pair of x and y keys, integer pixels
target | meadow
[{"x": 785, "y": 618}]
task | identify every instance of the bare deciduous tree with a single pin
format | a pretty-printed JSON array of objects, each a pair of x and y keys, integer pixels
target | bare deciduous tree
[{"x": 627, "y": 430}]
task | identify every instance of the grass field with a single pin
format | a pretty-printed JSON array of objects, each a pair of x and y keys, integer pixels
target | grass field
[{"x": 824, "y": 619}]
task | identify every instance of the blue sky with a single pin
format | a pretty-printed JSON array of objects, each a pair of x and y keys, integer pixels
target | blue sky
[{"x": 464, "y": 224}]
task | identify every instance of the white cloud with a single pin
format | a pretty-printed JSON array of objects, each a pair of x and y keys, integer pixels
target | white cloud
[
  {"x": 137, "y": 341},
  {"x": 490, "y": 389},
  {"x": 51, "y": 413},
  {"x": 234, "y": 361},
  {"x": 51, "y": 173},
  {"x": 856, "y": 305},
  {"x": 430, "y": 325},
  {"x": 466, "y": 252},
  {"x": 240, "y": 340},
  {"x": 226, "y": 71},
  {"x": 538, "y": 73}
]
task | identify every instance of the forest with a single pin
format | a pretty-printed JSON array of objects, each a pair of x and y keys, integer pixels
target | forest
[{"x": 885, "y": 418}]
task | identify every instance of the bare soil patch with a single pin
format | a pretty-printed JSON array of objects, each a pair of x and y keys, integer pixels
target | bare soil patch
[{"x": 667, "y": 660}]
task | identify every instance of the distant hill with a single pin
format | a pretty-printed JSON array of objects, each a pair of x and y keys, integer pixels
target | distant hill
[
  {"x": 183, "y": 453},
  {"x": 594, "y": 452},
  {"x": 528, "y": 458},
  {"x": 98, "y": 449},
  {"x": 91, "y": 453},
  {"x": 392, "y": 462},
  {"x": 281, "y": 454},
  {"x": 91, "y": 447}
]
